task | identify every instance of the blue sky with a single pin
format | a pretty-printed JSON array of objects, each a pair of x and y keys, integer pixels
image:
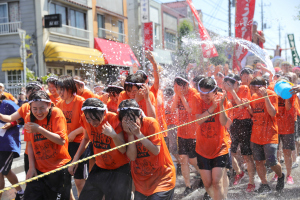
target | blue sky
[{"x": 215, "y": 18}]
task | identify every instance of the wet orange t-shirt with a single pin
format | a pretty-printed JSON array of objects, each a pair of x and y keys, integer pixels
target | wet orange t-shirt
[
  {"x": 53, "y": 99},
  {"x": 87, "y": 94},
  {"x": 152, "y": 173},
  {"x": 237, "y": 113},
  {"x": 297, "y": 106},
  {"x": 112, "y": 106},
  {"x": 212, "y": 138},
  {"x": 49, "y": 155},
  {"x": 188, "y": 131},
  {"x": 271, "y": 86},
  {"x": 264, "y": 129},
  {"x": 9, "y": 96},
  {"x": 171, "y": 117},
  {"x": 286, "y": 118},
  {"x": 101, "y": 142},
  {"x": 72, "y": 112},
  {"x": 160, "y": 110},
  {"x": 23, "y": 111},
  {"x": 123, "y": 96}
]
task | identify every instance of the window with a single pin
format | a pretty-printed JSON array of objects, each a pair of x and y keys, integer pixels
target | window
[
  {"x": 101, "y": 26},
  {"x": 9, "y": 12},
  {"x": 170, "y": 40},
  {"x": 77, "y": 19},
  {"x": 3, "y": 13},
  {"x": 55, "y": 70},
  {"x": 121, "y": 36},
  {"x": 14, "y": 77},
  {"x": 57, "y": 9}
]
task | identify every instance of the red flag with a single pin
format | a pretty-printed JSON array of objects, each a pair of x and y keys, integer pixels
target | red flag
[
  {"x": 243, "y": 26},
  {"x": 209, "y": 50},
  {"x": 148, "y": 36}
]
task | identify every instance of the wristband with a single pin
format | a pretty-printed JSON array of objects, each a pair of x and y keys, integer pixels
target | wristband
[{"x": 209, "y": 112}]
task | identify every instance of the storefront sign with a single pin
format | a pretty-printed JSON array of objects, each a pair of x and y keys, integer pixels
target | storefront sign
[
  {"x": 145, "y": 11},
  {"x": 296, "y": 60},
  {"x": 148, "y": 36},
  {"x": 53, "y": 21}
]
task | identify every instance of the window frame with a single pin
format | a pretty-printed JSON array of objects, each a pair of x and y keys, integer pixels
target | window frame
[{"x": 5, "y": 3}]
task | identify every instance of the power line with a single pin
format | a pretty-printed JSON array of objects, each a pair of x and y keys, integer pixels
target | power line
[
  {"x": 215, "y": 17},
  {"x": 224, "y": 10},
  {"x": 214, "y": 12}
]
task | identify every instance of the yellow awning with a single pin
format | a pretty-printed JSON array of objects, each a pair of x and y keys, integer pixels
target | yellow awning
[
  {"x": 10, "y": 64},
  {"x": 55, "y": 51}
]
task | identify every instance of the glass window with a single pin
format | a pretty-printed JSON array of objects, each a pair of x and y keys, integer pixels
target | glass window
[
  {"x": 3, "y": 13},
  {"x": 80, "y": 20},
  {"x": 121, "y": 36},
  {"x": 14, "y": 76},
  {"x": 61, "y": 10},
  {"x": 101, "y": 26},
  {"x": 52, "y": 8}
]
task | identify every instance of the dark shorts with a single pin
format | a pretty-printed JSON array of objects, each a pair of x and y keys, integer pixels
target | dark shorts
[
  {"x": 6, "y": 159},
  {"x": 288, "y": 141},
  {"x": 187, "y": 147},
  {"x": 80, "y": 171},
  {"x": 240, "y": 132},
  {"x": 229, "y": 162},
  {"x": 167, "y": 195},
  {"x": 26, "y": 163},
  {"x": 209, "y": 164},
  {"x": 172, "y": 135},
  {"x": 167, "y": 142},
  {"x": 113, "y": 184},
  {"x": 53, "y": 186},
  {"x": 267, "y": 152}
]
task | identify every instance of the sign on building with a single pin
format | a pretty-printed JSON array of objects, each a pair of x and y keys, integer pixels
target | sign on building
[
  {"x": 145, "y": 11},
  {"x": 53, "y": 20},
  {"x": 148, "y": 36}
]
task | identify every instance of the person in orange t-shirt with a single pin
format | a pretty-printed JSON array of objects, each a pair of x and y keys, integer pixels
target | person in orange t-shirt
[
  {"x": 186, "y": 134},
  {"x": 81, "y": 91},
  {"x": 153, "y": 171},
  {"x": 135, "y": 88},
  {"x": 212, "y": 144},
  {"x": 21, "y": 113},
  {"x": 71, "y": 107},
  {"x": 6, "y": 94},
  {"x": 110, "y": 177},
  {"x": 241, "y": 127},
  {"x": 246, "y": 75},
  {"x": 264, "y": 138},
  {"x": 54, "y": 96},
  {"x": 114, "y": 91},
  {"x": 286, "y": 129},
  {"x": 47, "y": 149}
]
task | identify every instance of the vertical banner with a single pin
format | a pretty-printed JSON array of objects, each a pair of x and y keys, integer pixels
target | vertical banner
[
  {"x": 145, "y": 11},
  {"x": 296, "y": 60},
  {"x": 148, "y": 36},
  {"x": 244, "y": 12},
  {"x": 208, "y": 50}
]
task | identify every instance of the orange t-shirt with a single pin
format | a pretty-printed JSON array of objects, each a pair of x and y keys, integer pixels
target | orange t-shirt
[
  {"x": 297, "y": 106},
  {"x": 53, "y": 99},
  {"x": 123, "y": 96},
  {"x": 264, "y": 129},
  {"x": 271, "y": 86},
  {"x": 49, "y": 155},
  {"x": 160, "y": 110},
  {"x": 112, "y": 106},
  {"x": 171, "y": 117},
  {"x": 152, "y": 173},
  {"x": 286, "y": 118},
  {"x": 188, "y": 131},
  {"x": 101, "y": 142},
  {"x": 237, "y": 113},
  {"x": 212, "y": 138},
  {"x": 9, "y": 96},
  {"x": 23, "y": 111},
  {"x": 72, "y": 112},
  {"x": 87, "y": 94}
]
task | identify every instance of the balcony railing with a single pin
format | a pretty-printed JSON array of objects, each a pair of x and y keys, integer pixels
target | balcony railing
[
  {"x": 111, "y": 35},
  {"x": 71, "y": 31},
  {"x": 170, "y": 45},
  {"x": 9, "y": 28}
]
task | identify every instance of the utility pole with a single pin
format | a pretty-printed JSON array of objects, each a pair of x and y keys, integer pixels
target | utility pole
[
  {"x": 285, "y": 48},
  {"x": 279, "y": 34},
  {"x": 262, "y": 15},
  {"x": 229, "y": 18}
]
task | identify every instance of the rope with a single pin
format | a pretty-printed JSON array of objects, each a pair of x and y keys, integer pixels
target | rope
[{"x": 118, "y": 147}]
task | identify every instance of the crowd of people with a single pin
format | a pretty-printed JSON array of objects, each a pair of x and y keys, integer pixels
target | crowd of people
[{"x": 65, "y": 121}]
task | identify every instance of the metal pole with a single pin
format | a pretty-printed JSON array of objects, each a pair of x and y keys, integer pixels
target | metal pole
[
  {"x": 143, "y": 47},
  {"x": 262, "y": 15},
  {"x": 229, "y": 18},
  {"x": 285, "y": 48},
  {"x": 279, "y": 35},
  {"x": 24, "y": 57}
]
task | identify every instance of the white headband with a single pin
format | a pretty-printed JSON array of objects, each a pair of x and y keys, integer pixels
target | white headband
[
  {"x": 209, "y": 91},
  {"x": 97, "y": 86},
  {"x": 132, "y": 108},
  {"x": 134, "y": 83},
  {"x": 115, "y": 86},
  {"x": 94, "y": 108},
  {"x": 246, "y": 68},
  {"x": 78, "y": 81},
  {"x": 231, "y": 78},
  {"x": 54, "y": 78},
  {"x": 142, "y": 72},
  {"x": 44, "y": 100},
  {"x": 36, "y": 84},
  {"x": 182, "y": 79}
]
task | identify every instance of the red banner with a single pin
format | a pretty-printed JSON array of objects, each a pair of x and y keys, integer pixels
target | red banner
[
  {"x": 244, "y": 12},
  {"x": 148, "y": 36},
  {"x": 209, "y": 50}
]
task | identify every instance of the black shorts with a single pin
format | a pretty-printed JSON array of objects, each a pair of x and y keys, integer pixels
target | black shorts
[
  {"x": 187, "y": 147},
  {"x": 26, "y": 163},
  {"x": 240, "y": 132},
  {"x": 6, "y": 159},
  {"x": 166, "y": 195},
  {"x": 209, "y": 164},
  {"x": 79, "y": 173},
  {"x": 113, "y": 184},
  {"x": 167, "y": 141},
  {"x": 229, "y": 162},
  {"x": 53, "y": 186}
]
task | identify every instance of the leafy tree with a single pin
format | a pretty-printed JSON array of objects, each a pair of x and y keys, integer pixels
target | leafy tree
[{"x": 30, "y": 75}]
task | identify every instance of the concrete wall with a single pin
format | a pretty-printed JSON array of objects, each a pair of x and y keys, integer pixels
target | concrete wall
[
  {"x": 115, "y": 6},
  {"x": 170, "y": 22}
]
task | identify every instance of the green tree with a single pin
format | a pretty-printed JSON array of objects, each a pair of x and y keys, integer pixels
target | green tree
[
  {"x": 30, "y": 75},
  {"x": 185, "y": 28}
]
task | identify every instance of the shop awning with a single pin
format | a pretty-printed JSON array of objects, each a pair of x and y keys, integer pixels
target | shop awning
[
  {"x": 162, "y": 56},
  {"x": 55, "y": 51},
  {"x": 116, "y": 53},
  {"x": 10, "y": 64}
]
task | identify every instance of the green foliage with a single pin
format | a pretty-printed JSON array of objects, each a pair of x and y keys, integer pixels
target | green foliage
[
  {"x": 185, "y": 28},
  {"x": 30, "y": 75}
]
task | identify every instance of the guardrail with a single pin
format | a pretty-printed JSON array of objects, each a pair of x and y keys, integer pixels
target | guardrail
[
  {"x": 111, "y": 35},
  {"x": 71, "y": 31},
  {"x": 9, "y": 28}
]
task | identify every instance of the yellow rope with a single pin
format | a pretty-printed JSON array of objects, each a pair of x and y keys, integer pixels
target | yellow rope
[{"x": 118, "y": 147}]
